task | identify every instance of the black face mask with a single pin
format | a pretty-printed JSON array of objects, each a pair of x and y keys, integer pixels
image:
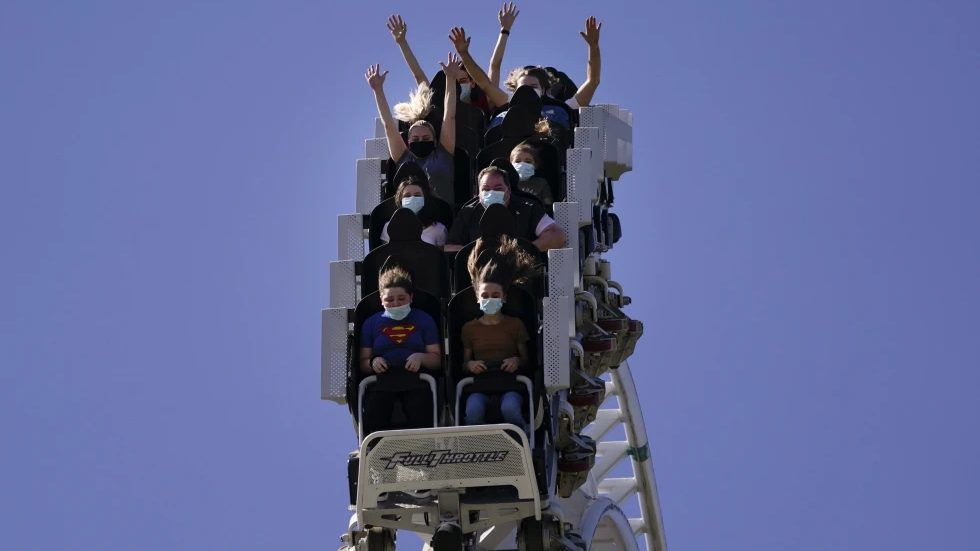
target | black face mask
[{"x": 422, "y": 149}]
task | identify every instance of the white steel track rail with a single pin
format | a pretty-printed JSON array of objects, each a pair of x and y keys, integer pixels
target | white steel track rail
[{"x": 642, "y": 484}]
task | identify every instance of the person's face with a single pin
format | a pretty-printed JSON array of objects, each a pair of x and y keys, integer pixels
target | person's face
[
  {"x": 465, "y": 80},
  {"x": 532, "y": 81},
  {"x": 395, "y": 296},
  {"x": 495, "y": 182},
  {"x": 420, "y": 134},
  {"x": 489, "y": 290},
  {"x": 522, "y": 156},
  {"x": 412, "y": 191}
]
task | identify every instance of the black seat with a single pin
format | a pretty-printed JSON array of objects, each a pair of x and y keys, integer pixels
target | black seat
[
  {"x": 498, "y": 221},
  {"x": 395, "y": 174},
  {"x": 463, "y": 188},
  {"x": 386, "y": 209},
  {"x": 473, "y": 118},
  {"x": 552, "y": 166},
  {"x": 423, "y": 261}
]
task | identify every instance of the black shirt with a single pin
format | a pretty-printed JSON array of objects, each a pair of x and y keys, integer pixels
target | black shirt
[{"x": 466, "y": 226}]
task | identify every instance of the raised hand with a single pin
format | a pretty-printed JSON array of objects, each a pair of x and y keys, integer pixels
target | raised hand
[
  {"x": 591, "y": 34},
  {"x": 397, "y": 27},
  {"x": 510, "y": 365},
  {"x": 453, "y": 67},
  {"x": 507, "y": 15},
  {"x": 458, "y": 37},
  {"x": 374, "y": 77}
]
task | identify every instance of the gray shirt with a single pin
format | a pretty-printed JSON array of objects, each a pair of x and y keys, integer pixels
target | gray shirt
[{"x": 439, "y": 166}]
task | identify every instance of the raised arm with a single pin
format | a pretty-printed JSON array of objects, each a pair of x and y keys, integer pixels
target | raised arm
[
  {"x": 507, "y": 15},
  {"x": 591, "y": 35},
  {"x": 496, "y": 96},
  {"x": 453, "y": 70},
  {"x": 398, "y": 30},
  {"x": 376, "y": 80}
]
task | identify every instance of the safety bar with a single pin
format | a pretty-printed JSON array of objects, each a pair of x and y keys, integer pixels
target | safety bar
[
  {"x": 463, "y": 383},
  {"x": 368, "y": 381}
]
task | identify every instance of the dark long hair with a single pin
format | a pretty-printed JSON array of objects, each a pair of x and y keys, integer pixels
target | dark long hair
[{"x": 501, "y": 261}]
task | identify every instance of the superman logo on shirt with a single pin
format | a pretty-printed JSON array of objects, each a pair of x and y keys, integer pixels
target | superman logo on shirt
[{"x": 398, "y": 333}]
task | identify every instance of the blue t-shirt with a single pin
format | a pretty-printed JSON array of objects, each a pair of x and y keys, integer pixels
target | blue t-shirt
[{"x": 395, "y": 340}]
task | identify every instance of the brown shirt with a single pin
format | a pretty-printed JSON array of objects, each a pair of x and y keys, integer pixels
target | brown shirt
[{"x": 492, "y": 343}]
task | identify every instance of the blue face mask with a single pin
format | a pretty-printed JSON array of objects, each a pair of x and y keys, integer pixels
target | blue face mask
[
  {"x": 491, "y": 197},
  {"x": 491, "y": 305},
  {"x": 524, "y": 170},
  {"x": 397, "y": 313},
  {"x": 415, "y": 203}
]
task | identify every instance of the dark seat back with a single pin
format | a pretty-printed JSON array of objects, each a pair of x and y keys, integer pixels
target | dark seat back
[
  {"x": 386, "y": 209},
  {"x": 423, "y": 261},
  {"x": 498, "y": 221}
]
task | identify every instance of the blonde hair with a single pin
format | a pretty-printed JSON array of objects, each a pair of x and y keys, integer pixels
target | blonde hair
[
  {"x": 419, "y": 105},
  {"x": 526, "y": 148}
]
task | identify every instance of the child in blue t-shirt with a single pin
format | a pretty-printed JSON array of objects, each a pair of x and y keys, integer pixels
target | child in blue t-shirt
[{"x": 399, "y": 337}]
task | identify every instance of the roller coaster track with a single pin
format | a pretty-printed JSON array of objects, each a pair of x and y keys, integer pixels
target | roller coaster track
[{"x": 601, "y": 153}]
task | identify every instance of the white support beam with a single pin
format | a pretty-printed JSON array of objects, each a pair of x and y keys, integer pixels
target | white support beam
[
  {"x": 608, "y": 454},
  {"x": 618, "y": 489},
  {"x": 605, "y": 420}
]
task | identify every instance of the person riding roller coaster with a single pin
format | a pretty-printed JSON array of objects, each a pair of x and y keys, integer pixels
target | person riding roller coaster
[
  {"x": 413, "y": 193},
  {"x": 533, "y": 223},
  {"x": 535, "y": 77},
  {"x": 436, "y": 158},
  {"x": 400, "y": 339},
  {"x": 469, "y": 91},
  {"x": 495, "y": 341}
]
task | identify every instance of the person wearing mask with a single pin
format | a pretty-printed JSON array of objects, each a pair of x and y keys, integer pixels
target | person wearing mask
[
  {"x": 398, "y": 338},
  {"x": 533, "y": 223},
  {"x": 496, "y": 341},
  {"x": 525, "y": 160},
  {"x": 469, "y": 91},
  {"x": 436, "y": 158},
  {"x": 413, "y": 194},
  {"x": 535, "y": 77}
]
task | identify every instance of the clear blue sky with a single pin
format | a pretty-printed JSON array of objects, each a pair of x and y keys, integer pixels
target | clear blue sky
[{"x": 800, "y": 240}]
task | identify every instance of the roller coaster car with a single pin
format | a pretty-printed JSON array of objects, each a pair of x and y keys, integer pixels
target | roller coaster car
[{"x": 478, "y": 476}]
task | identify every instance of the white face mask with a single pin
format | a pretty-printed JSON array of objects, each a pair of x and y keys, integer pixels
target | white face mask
[
  {"x": 464, "y": 92},
  {"x": 524, "y": 170},
  {"x": 491, "y": 197},
  {"x": 397, "y": 313},
  {"x": 491, "y": 305},
  {"x": 415, "y": 203}
]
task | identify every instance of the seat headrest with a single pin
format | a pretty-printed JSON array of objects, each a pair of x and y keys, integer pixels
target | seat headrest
[
  {"x": 562, "y": 87},
  {"x": 404, "y": 226},
  {"x": 496, "y": 221},
  {"x": 410, "y": 169},
  {"x": 504, "y": 164},
  {"x": 525, "y": 95}
]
